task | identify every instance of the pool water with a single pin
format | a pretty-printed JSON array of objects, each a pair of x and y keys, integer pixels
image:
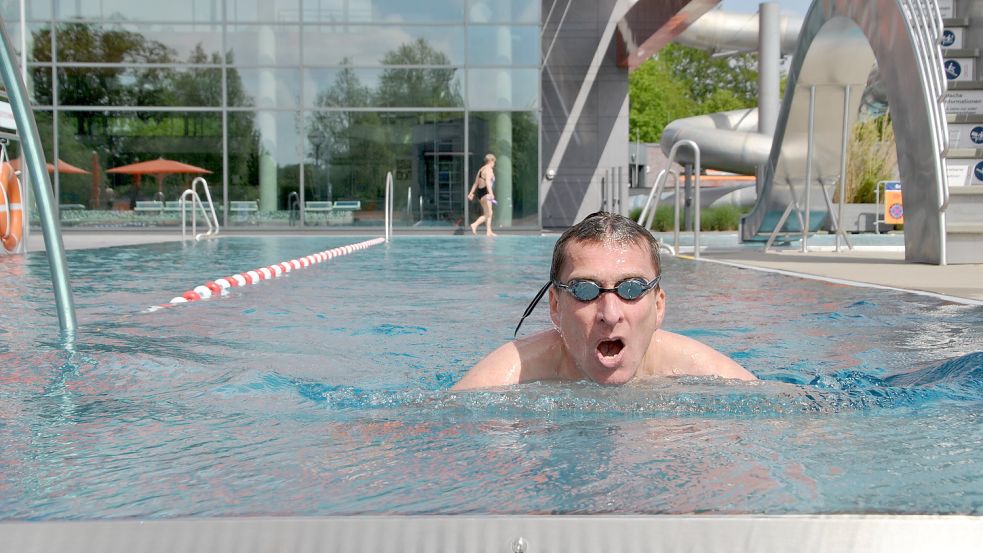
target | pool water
[{"x": 325, "y": 392}]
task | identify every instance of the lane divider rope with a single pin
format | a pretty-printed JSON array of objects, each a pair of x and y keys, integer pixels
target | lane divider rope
[{"x": 220, "y": 286}]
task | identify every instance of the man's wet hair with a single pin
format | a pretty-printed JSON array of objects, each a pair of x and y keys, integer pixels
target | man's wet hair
[{"x": 600, "y": 228}]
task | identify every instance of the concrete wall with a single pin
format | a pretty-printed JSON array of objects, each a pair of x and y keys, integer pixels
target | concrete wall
[{"x": 599, "y": 137}]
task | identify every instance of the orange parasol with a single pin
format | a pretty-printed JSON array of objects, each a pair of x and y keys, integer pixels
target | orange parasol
[
  {"x": 158, "y": 168},
  {"x": 63, "y": 167}
]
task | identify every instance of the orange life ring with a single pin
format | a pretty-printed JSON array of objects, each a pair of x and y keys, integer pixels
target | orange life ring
[{"x": 11, "y": 209}]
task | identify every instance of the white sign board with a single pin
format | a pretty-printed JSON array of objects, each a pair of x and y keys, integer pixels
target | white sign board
[
  {"x": 964, "y": 102},
  {"x": 957, "y": 171},
  {"x": 959, "y": 69},
  {"x": 947, "y": 8},
  {"x": 7, "y": 117}
]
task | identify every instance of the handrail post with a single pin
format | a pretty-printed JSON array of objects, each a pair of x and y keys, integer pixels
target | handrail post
[
  {"x": 809, "y": 147},
  {"x": 37, "y": 170},
  {"x": 388, "y": 206}
]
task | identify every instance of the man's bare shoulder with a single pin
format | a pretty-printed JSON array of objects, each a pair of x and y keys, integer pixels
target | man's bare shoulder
[
  {"x": 536, "y": 357},
  {"x": 674, "y": 355}
]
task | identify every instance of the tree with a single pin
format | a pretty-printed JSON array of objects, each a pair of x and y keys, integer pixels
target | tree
[
  {"x": 680, "y": 82},
  {"x": 418, "y": 86}
]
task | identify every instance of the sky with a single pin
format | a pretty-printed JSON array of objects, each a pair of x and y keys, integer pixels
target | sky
[{"x": 796, "y": 7}]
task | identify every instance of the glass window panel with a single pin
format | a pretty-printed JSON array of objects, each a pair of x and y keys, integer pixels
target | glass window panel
[
  {"x": 265, "y": 88},
  {"x": 349, "y": 153},
  {"x": 202, "y": 11},
  {"x": 264, "y": 160},
  {"x": 504, "y": 11},
  {"x": 390, "y": 87},
  {"x": 387, "y": 11},
  {"x": 514, "y": 139},
  {"x": 38, "y": 43},
  {"x": 383, "y": 45},
  {"x": 33, "y": 10},
  {"x": 200, "y": 44},
  {"x": 502, "y": 45},
  {"x": 262, "y": 11},
  {"x": 39, "y": 85},
  {"x": 143, "y": 86},
  {"x": 120, "y": 138},
  {"x": 503, "y": 88},
  {"x": 263, "y": 44},
  {"x": 95, "y": 43}
]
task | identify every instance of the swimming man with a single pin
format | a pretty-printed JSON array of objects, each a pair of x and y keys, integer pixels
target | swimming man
[{"x": 607, "y": 308}]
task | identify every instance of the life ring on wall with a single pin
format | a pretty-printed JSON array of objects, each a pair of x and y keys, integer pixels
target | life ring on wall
[{"x": 11, "y": 209}]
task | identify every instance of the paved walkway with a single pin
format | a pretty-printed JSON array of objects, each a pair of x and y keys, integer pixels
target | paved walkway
[{"x": 869, "y": 267}]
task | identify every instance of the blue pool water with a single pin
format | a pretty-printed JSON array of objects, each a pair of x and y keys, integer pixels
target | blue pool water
[{"x": 325, "y": 392}]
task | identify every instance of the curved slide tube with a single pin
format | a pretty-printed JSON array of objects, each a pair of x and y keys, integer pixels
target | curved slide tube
[{"x": 840, "y": 42}]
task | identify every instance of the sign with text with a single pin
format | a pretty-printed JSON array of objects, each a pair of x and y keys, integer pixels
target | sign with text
[{"x": 893, "y": 208}]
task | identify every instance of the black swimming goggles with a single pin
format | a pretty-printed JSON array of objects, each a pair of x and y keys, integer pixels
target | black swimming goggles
[{"x": 629, "y": 289}]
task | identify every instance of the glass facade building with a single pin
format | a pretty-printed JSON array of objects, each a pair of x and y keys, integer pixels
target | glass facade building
[{"x": 288, "y": 102}]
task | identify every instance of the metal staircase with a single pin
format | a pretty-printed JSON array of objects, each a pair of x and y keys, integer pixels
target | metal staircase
[{"x": 962, "y": 40}]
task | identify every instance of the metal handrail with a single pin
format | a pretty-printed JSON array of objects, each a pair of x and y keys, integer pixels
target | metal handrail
[
  {"x": 663, "y": 174},
  {"x": 652, "y": 203},
  {"x": 293, "y": 201},
  {"x": 196, "y": 200},
  {"x": 925, "y": 20},
  {"x": 388, "y": 206}
]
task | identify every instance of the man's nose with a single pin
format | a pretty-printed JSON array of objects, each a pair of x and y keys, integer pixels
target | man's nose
[{"x": 609, "y": 308}]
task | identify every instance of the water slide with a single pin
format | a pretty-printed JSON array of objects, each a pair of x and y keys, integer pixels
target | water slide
[{"x": 838, "y": 47}]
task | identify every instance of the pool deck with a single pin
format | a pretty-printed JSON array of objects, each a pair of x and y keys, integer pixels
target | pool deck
[
  {"x": 871, "y": 266},
  {"x": 878, "y": 268}
]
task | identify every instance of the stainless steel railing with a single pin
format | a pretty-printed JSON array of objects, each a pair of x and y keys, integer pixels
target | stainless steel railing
[
  {"x": 208, "y": 212},
  {"x": 648, "y": 212}
]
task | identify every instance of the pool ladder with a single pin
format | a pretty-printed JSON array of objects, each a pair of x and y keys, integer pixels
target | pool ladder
[
  {"x": 648, "y": 212},
  {"x": 388, "y": 206},
  {"x": 208, "y": 212}
]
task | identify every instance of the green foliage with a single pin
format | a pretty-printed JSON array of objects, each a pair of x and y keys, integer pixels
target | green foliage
[
  {"x": 681, "y": 81},
  {"x": 725, "y": 217},
  {"x": 872, "y": 157}
]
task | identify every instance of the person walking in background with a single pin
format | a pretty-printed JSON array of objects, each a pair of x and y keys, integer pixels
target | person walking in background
[{"x": 482, "y": 187}]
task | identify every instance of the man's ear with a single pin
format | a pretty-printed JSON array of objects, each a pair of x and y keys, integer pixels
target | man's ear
[
  {"x": 554, "y": 306},
  {"x": 660, "y": 306}
]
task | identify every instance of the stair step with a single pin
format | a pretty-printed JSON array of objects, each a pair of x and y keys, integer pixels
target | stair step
[
  {"x": 964, "y": 118},
  {"x": 965, "y": 205},
  {"x": 967, "y": 84},
  {"x": 964, "y": 153},
  {"x": 964, "y": 228},
  {"x": 974, "y": 192},
  {"x": 964, "y": 172},
  {"x": 955, "y": 22},
  {"x": 948, "y": 53}
]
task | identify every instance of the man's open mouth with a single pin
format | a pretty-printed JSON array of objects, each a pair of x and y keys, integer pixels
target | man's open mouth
[{"x": 610, "y": 348}]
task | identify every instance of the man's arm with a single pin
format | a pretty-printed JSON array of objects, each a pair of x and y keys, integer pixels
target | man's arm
[
  {"x": 681, "y": 355},
  {"x": 499, "y": 368}
]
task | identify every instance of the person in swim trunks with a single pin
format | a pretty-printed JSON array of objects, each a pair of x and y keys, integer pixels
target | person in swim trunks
[
  {"x": 607, "y": 308},
  {"x": 482, "y": 190}
]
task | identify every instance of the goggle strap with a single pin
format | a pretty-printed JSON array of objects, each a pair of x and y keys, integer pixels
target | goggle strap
[{"x": 532, "y": 305}]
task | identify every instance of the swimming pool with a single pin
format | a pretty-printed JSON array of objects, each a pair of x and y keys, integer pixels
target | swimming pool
[{"x": 325, "y": 392}]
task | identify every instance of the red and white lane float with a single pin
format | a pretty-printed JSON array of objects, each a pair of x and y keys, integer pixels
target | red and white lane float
[{"x": 220, "y": 286}]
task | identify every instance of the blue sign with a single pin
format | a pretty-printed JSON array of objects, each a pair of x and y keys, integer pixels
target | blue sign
[
  {"x": 976, "y": 135},
  {"x": 952, "y": 69},
  {"x": 892, "y": 185},
  {"x": 978, "y": 171},
  {"x": 948, "y": 38}
]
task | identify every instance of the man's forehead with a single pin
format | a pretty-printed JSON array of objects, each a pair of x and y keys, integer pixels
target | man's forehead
[{"x": 608, "y": 255}]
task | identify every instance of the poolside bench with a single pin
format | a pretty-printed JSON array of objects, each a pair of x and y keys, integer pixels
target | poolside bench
[
  {"x": 318, "y": 206},
  {"x": 348, "y": 205},
  {"x": 243, "y": 210},
  {"x": 148, "y": 206}
]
